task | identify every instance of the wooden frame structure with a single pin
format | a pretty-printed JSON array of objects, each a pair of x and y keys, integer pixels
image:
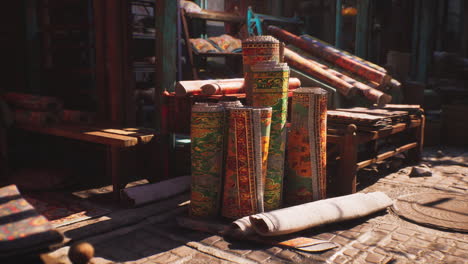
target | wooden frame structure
[{"x": 345, "y": 142}]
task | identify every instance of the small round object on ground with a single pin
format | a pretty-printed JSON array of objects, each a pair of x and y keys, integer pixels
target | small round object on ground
[{"x": 81, "y": 253}]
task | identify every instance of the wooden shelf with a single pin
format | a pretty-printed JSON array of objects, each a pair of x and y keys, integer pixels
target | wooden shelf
[{"x": 217, "y": 16}]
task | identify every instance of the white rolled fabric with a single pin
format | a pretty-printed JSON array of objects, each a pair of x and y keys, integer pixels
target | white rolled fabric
[{"x": 296, "y": 218}]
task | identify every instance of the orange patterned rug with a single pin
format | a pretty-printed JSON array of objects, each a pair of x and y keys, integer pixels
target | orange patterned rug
[{"x": 61, "y": 210}]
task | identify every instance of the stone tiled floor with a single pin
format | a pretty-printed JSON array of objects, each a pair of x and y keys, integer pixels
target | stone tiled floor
[{"x": 380, "y": 238}]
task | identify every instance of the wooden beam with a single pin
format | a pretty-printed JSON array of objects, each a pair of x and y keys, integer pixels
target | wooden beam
[{"x": 386, "y": 155}]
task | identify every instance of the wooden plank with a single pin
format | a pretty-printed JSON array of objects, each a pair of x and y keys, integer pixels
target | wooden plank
[
  {"x": 143, "y": 137},
  {"x": 386, "y": 155},
  {"x": 188, "y": 45},
  {"x": 346, "y": 180},
  {"x": 83, "y": 134}
]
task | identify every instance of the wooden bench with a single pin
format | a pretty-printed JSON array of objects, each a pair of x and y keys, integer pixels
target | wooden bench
[
  {"x": 343, "y": 146},
  {"x": 114, "y": 139}
]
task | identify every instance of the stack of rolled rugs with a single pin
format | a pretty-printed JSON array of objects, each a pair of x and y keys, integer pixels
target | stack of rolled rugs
[
  {"x": 347, "y": 73},
  {"x": 42, "y": 110},
  {"x": 239, "y": 163}
]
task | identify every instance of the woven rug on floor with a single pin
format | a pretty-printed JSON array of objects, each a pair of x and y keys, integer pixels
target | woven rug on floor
[{"x": 61, "y": 210}]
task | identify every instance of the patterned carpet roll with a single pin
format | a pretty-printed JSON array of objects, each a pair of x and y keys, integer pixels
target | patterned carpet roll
[
  {"x": 207, "y": 135},
  {"x": 270, "y": 88},
  {"x": 305, "y": 179},
  {"x": 247, "y": 148},
  {"x": 258, "y": 49}
]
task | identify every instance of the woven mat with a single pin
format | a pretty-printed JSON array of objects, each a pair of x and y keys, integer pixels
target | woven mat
[{"x": 61, "y": 210}]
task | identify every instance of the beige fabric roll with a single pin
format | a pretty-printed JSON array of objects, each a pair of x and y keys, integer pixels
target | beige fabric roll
[{"x": 296, "y": 218}]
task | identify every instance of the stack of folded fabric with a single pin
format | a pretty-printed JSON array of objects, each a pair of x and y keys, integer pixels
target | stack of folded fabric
[
  {"x": 364, "y": 122},
  {"x": 221, "y": 44}
]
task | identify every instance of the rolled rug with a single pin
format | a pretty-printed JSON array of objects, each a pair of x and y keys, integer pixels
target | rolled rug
[
  {"x": 207, "y": 136},
  {"x": 296, "y": 218},
  {"x": 248, "y": 140},
  {"x": 269, "y": 84},
  {"x": 305, "y": 178},
  {"x": 237, "y": 87},
  {"x": 255, "y": 50},
  {"x": 33, "y": 102}
]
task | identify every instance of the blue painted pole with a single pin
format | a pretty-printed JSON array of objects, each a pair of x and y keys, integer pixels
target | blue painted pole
[
  {"x": 362, "y": 28},
  {"x": 338, "y": 24}
]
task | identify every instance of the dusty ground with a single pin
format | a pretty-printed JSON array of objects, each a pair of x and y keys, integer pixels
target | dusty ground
[{"x": 152, "y": 235}]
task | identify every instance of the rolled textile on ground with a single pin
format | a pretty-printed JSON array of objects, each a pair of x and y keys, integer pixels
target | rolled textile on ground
[
  {"x": 77, "y": 116},
  {"x": 26, "y": 117},
  {"x": 292, "y": 219},
  {"x": 255, "y": 50},
  {"x": 33, "y": 102},
  {"x": 318, "y": 49},
  {"x": 244, "y": 180},
  {"x": 237, "y": 87},
  {"x": 305, "y": 179},
  {"x": 269, "y": 84},
  {"x": 207, "y": 135},
  {"x": 147, "y": 193},
  {"x": 306, "y": 66}
]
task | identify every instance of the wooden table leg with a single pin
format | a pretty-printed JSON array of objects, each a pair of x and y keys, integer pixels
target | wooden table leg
[
  {"x": 347, "y": 165},
  {"x": 113, "y": 157}
]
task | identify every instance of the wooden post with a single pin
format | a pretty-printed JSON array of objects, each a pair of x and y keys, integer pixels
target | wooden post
[
  {"x": 362, "y": 28},
  {"x": 338, "y": 24},
  {"x": 346, "y": 180},
  {"x": 166, "y": 43},
  {"x": 415, "y": 154}
]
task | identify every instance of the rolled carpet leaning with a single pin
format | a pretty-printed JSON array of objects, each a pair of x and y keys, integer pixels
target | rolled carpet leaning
[
  {"x": 305, "y": 178},
  {"x": 269, "y": 87},
  {"x": 248, "y": 140},
  {"x": 300, "y": 217}
]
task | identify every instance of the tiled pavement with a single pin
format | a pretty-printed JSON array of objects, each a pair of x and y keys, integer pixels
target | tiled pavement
[{"x": 380, "y": 238}]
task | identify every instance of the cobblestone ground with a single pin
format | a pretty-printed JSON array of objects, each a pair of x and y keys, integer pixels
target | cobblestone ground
[{"x": 380, "y": 238}]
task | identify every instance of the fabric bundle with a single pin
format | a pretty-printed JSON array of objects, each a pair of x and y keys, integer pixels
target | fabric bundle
[
  {"x": 258, "y": 49},
  {"x": 75, "y": 116},
  {"x": 226, "y": 43},
  {"x": 269, "y": 82},
  {"x": 300, "y": 217},
  {"x": 305, "y": 179},
  {"x": 207, "y": 137},
  {"x": 248, "y": 140},
  {"x": 27, "y": 117},
  {"x": 33, "y": 102}
]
